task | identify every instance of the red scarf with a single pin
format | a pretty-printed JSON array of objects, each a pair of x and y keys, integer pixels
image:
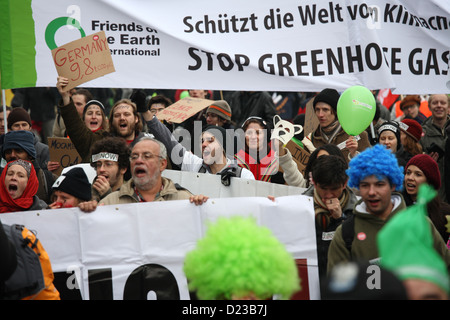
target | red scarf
[
  {"x": 262, "y": 169},
  {"x": 8, "y": 204}
]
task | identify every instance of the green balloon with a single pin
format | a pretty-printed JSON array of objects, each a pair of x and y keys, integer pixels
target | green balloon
[
  {"x": 356, "y": 109},
  {"x": 184, "y": 94}
]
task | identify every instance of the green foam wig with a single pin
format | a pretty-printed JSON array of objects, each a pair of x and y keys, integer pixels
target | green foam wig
[{"x": 238, "y": 258}]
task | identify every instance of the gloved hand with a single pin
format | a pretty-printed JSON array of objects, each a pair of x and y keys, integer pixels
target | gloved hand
[
  {"x": 138, "y": 97},
  {"x": 226, "y": 175}
]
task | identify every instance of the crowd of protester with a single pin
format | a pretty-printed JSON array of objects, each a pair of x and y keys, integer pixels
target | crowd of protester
[{"x": 362, "y": 181}]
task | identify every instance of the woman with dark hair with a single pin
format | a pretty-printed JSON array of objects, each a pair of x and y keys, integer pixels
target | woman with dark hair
[
  {"x": 424, "y": 169},
  {"x": 94, "y": 116},
  {"x": 18, "y": 187},
  {"x": 389, "y": 136},
  {"x": 257, "y": 154}
]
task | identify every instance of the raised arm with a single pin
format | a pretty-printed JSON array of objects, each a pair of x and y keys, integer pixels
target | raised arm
[{"x": 161, "y": 133}]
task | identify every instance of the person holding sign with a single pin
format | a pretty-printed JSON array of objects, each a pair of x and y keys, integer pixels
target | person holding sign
[
  {"x": 124, "y": 122},
  {"x": 214, "y": 157},
  {"x": 330, "y": 130},
  {"x": 94, "y": 116}
]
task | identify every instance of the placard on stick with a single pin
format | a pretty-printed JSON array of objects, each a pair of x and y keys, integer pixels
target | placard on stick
[
  {"x": 183, "y": 109},
  {"x": 299, "y": 155},
  {"x": 84, "y": 59},
  {"x": 63, "y": 151}
]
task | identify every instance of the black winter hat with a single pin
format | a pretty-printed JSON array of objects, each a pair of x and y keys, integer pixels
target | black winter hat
[
  {"x": 74, "y": 182},
  {"x": 19, "y": 139},
  {"x": 330, "y": 96}
]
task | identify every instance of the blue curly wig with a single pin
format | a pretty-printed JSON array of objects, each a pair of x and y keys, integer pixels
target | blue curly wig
[{"x": 377, "y": 161}]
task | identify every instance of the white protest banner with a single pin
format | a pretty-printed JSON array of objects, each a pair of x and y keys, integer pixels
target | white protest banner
[
  {"x": 136, "y": 251},
  {"x": 211, "y": 185},
  {"x": 237, "y": 45}
]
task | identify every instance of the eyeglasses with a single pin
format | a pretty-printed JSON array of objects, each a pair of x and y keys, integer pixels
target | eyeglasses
[
  {"x": 106, "y": 164},
  {"x": 145, "y": 156}
]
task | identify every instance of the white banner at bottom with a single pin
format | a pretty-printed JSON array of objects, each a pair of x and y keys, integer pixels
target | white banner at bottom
[{"x": 136, "y": 251}]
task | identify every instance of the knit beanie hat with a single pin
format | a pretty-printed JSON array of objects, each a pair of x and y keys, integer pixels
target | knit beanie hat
[
  {"x": 74, "y": 182},
  {"x": 410, "y": 101},
  {"x": 429, "y": 167},
  {"x": 391, "y": 126},
  {"x": 28, "y": 166},
  {"x": 221, "y": 108},
  {"x": 95, "y": 102},
  {"x": 405, "y": 244},
  {"x": 18, "y": 114},
  {"x": 20, "y": 139},
  {"x": 329, "y": 96},
  {"x": 412, "y": 128},
  {"x": 220, "y": 134}
]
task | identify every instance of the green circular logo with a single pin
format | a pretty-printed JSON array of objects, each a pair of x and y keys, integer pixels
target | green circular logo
[{"x": 57, "y": 23}]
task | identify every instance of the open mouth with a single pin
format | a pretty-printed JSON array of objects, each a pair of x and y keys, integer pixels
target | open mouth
[
  {"x": 12, "y": 190},
  {"x": 206, "y": 152},
  {"x": 373, "y": 202},
  {"x": 138, "y": 172}
]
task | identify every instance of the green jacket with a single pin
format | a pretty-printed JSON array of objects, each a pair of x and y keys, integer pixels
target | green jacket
[{"x": 366, "y": 229}]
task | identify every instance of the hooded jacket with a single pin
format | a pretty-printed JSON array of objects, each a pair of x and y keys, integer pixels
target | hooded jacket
[{"x": 367, "y": 226}]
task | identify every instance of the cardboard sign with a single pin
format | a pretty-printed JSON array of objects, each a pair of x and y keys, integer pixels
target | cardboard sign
[
  {"x": 183, "y": 109},
  {"x": 300, "y": 155},
  {"x": 63, "y": 151},
  {"x": 84, "y": 59},
  {"x": 311, "y": 121}
]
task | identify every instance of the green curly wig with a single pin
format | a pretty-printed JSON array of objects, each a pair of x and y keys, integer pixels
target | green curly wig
[{"x": 238, "y": 258}]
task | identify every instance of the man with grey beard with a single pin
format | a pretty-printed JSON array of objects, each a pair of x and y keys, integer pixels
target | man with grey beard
[{"x": 147, "y": 162}]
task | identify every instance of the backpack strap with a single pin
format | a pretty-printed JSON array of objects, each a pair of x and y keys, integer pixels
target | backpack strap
[
  {"x": 348, "y": 233},
  {"x": 28, "y": 278},
  {"x": 235, "y": 170}
]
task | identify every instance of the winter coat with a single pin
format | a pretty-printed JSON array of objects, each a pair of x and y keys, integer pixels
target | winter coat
[
  {"x": 317, "y": 140},
  {"x": 434, "y": 134},
  {"x": 80, "y": 135},
  {"x": 367, "y": 226},
  {"x": 324, "y": 237},
  {"x": 126, "y": 193},
  {"x": 246, "y": 104}
]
